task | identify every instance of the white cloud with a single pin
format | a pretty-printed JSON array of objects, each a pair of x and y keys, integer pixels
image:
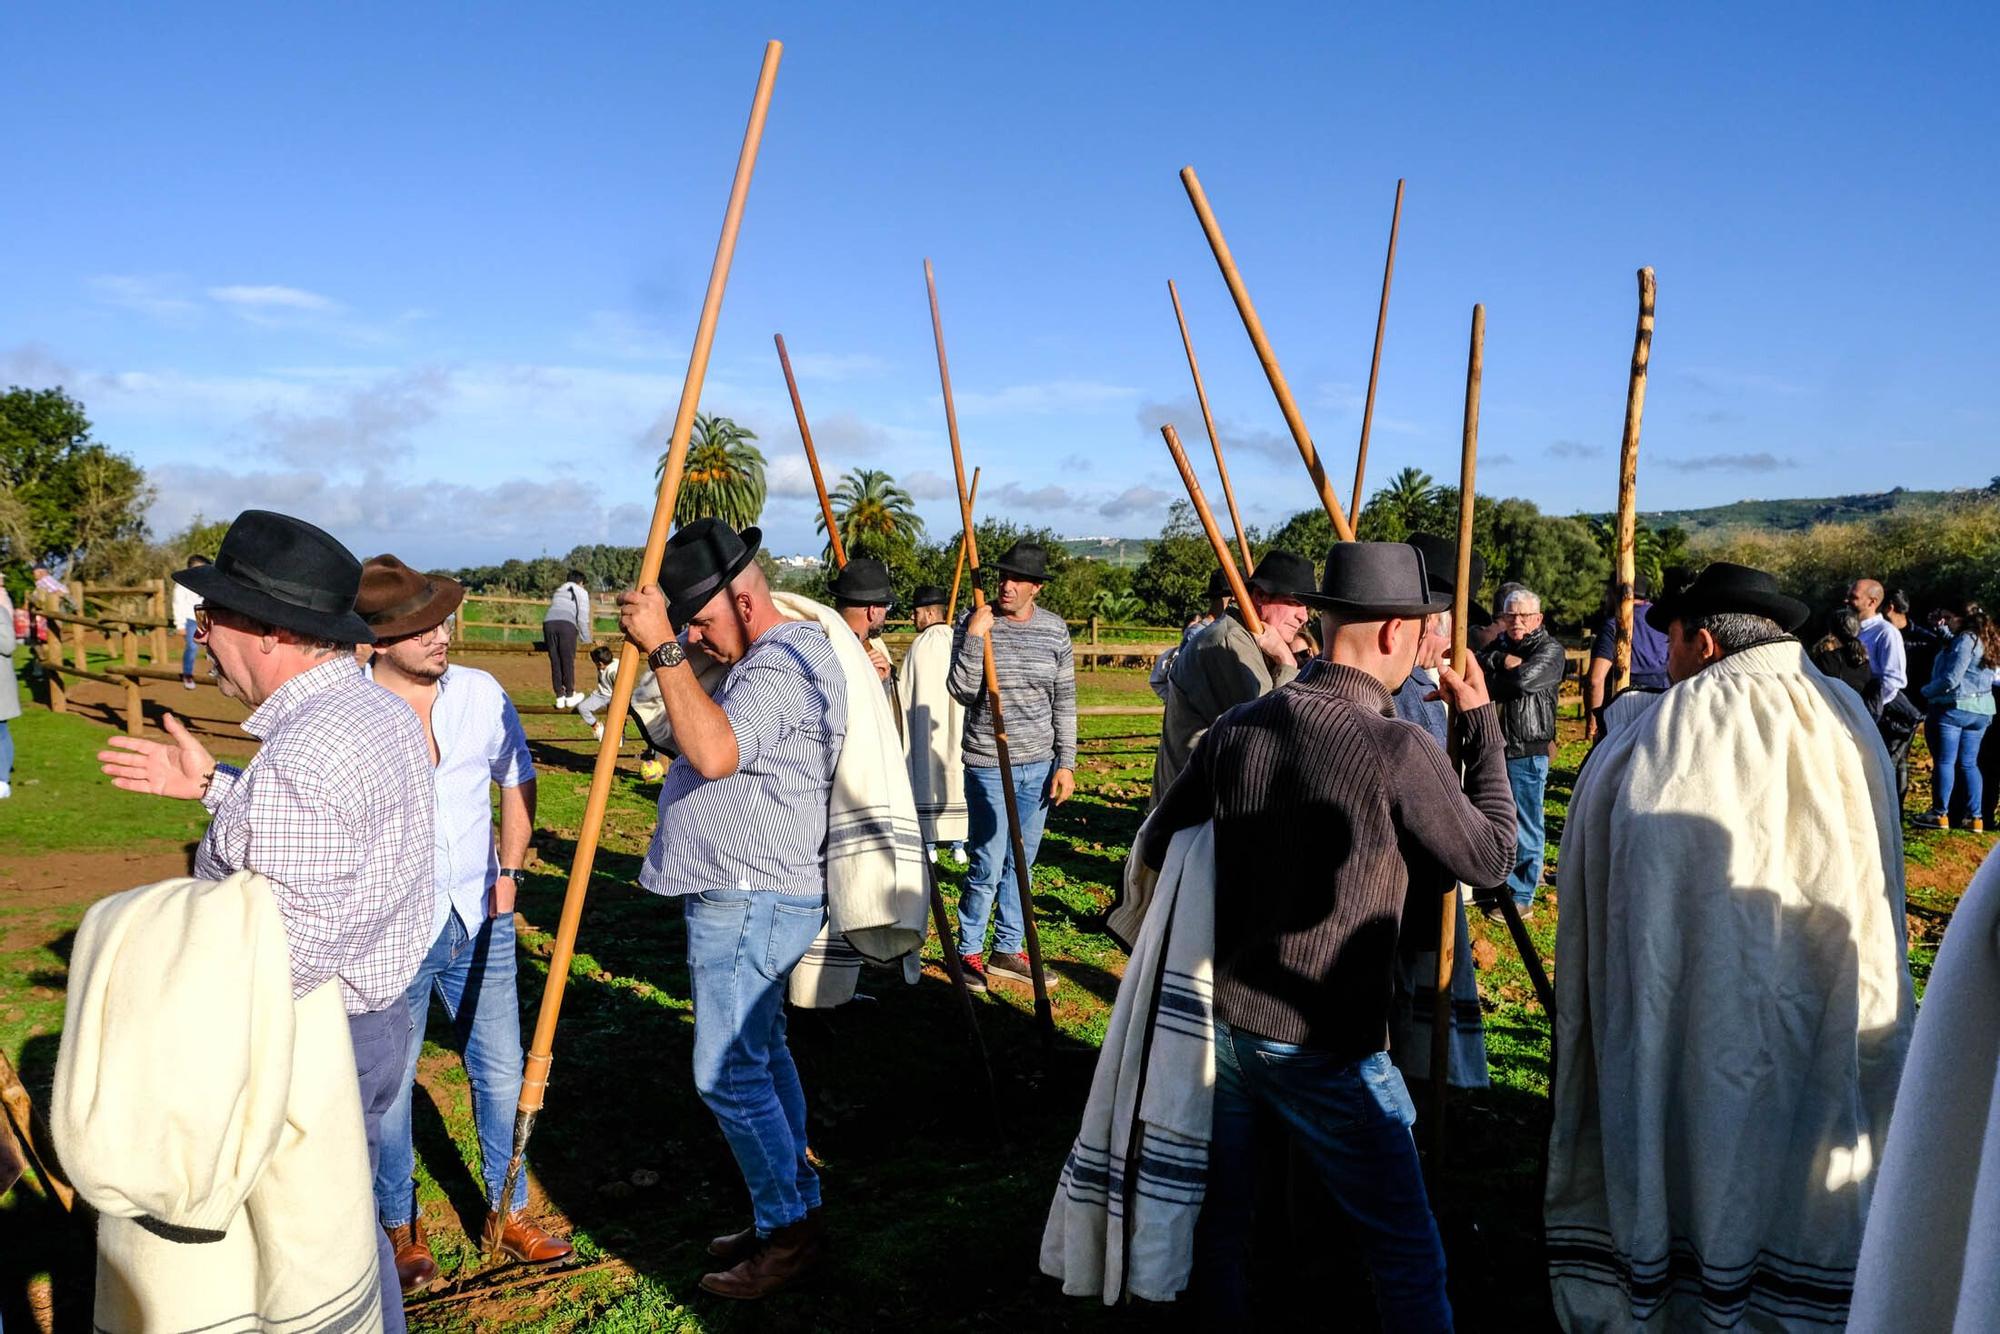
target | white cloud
[
  {"x": 257, "y": 299},
  {"x": 157, "y": 297},
  {"x": 33, "y": 365},
  {"x": 1757, "y": 462},
  {"x": 1051, "y": 396},
  {"x": 788, "y": 475},
  {"x": 924, "y": 484},
  {"x": 363, "y": 426},
  {"x": 625, "y": 337},
  {"x": 1049, "y": 497},
  {"x": 1135, "y": 500}
]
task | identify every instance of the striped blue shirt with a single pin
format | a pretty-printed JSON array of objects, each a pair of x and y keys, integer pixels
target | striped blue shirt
[{"x": 764, "y": 826}]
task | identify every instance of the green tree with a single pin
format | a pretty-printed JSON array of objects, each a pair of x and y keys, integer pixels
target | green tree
[
  {"x": 70, "y": 498},
  {"x": 876, "y": 517},
  {"x": 1410, "y": 503},
  {"x": 1172, "y": 581},
  {"x": 1117, "y": 608},
  {"x": 1308, "y": 533},
  {"x": 724, "y": 478}
]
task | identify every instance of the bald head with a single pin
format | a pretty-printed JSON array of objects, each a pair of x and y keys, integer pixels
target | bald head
[
  {"x": 732, "y": 620},
  {"x": 1865, "y": 596}
]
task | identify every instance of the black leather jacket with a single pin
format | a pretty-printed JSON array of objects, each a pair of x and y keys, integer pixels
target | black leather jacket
[{"x": 1526, "y": 695}]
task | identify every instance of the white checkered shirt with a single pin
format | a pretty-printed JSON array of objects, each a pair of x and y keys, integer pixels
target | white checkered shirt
[{"x": 337, "y": 809}]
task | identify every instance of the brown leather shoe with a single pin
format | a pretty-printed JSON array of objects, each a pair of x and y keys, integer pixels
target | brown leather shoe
[
  {"x": 416, "y": 1268},
  {"x": 737, "y": 1247},
  {"x": 513, "y": 1236},
  {"x": 784, "y": 1256}
]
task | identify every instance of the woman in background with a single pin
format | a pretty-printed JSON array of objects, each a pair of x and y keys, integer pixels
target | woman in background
[
  {"x": 1841, "y": 654},
  {"x": 1960, "y": 700}
]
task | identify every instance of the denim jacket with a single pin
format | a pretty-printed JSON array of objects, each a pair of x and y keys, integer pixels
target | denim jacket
[{"x": 1962, "y": 679}]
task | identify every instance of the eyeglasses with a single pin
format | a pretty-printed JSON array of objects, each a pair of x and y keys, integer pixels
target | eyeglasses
[
  {"x": 1517, "y": 615},
  {"x": 440, "y": 632}
]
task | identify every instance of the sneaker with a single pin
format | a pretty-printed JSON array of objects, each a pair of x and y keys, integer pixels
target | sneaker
[
  {"x": 6, "y": 791},
  {"x": 187, "y": 683},
  {"x": 1974, "y": 826},
  {"x": 597, "y": 731},
  {"x": 1016, "y": 968},
  {"x": 973, "y": 968},
  {"x": 1931, "y": 820}
]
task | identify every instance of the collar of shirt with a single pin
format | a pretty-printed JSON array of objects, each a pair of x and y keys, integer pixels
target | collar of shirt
[
  {"x": 1349, "y": 683},
  {"x": 337, "y": 671}
]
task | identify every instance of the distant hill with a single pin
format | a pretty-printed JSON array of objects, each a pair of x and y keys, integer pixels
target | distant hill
[
  {"x": 1794, "y": 515},
  {"x": 1128, "y": 551}
]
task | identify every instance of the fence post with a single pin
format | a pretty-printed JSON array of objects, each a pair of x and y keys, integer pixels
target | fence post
[
  {"x": 135, "y": 713},
  {"x": 1093, "y": 641},
  {"x": 51, "y": 660},
  {"x": 160, "y": 609},
  {"x": 82, "y": 640},
  {"x": 130, "y": 639}
]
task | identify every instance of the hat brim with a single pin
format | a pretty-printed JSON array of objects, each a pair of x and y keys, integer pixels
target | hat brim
[
  {"x": 682, "y": 610},
  {"x": 210, "y": 584},
  {"x": 1373, "y": 611},
  {"x": 1788, "y": 612},
  {"x": 1272, "y": 590},
  {"x": 450, "y": 593},
  {"x": 1032, "y": 576}
]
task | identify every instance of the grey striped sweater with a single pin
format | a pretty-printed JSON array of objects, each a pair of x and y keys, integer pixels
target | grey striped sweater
[{"x": 1037, "y": 675}]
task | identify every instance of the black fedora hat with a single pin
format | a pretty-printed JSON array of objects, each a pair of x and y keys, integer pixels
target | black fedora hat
[
  {"x": 929, "y": 595},
  {"x": 1218, "y": 583},
  {"x": 1025, "y": 560},
  {"x": 284, "y": 572},
  {"x": 1282, "y": 574},
  {"x": 1727, "y": 587},
  {"x": 1441, "y": 568},
  {"x": 863, "y": 582},
  {"x": 1374, "y": 581},
  {"x": 700, "y": 561}
]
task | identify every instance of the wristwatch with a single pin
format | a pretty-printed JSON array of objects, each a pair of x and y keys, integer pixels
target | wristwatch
[
  {"x": 514, "y": 873},
  {"x": 669, "y": 654}
]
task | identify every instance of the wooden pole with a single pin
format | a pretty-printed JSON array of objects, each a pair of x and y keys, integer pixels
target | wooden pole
[
  {"x": 1461, "y": 652},
  {"x": 1215, "y": 538},
  {"x": 1628, "y": 483},
  {"x": 1044, "y": 1014},
  {"x": 952, "y": 968},
  {"x": 1255, "y": 328},
  {"x": 33, "y": 1133},
  {"x": 812, "y": 457},
  {"x": 1208, "y": 420},
  {"x": 959, "y": 567},
  {"x": 1375, "y": 362},
  {"x": 535, "y": 1079}
]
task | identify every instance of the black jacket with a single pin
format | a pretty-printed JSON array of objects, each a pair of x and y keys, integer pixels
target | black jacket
[{"x": 1526, "y": 694}]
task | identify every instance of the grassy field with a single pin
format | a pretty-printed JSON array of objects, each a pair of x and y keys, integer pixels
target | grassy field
[{"x": 936, "y": 1190}]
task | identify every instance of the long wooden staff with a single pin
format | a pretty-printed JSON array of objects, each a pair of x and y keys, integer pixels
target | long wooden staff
[
  {"x": 1255, "y": 328},
  {"x": 1044, "y": 1014},
  {"x": 1375, "y": 362},
  {"x": 812, "y": 456},
  {"x": 943, "y": 923},
  {"x": 1628, "y": 483},
  {"x": 1208, "y": 420},
  {"x": 535, "y": 1078},
  {"x": 1461, "y": 653},
  {"x": 958, "y": 566},
  {"x": 1208, "y": 525}
]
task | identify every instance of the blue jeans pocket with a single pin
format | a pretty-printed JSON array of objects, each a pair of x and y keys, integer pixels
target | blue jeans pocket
[
  {"x": 1384, "y": 1083},
  {"x": 794, "y": 927}
]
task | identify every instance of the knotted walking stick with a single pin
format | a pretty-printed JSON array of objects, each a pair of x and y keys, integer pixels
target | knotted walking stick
[
  {"x": 1044, "y": 1014},
  {"x": 1628, "y": 484},
  {"x": 943, "y": 923},
  {"x": 1375, "y": 362},
  {"x": 1214, "y": 440},
  {"x": 535, "y": 1078},
  {"x": 1269, "y": 359},
  {"x": 1215, "y": 539},
  {"x": 958, "y": 566}
]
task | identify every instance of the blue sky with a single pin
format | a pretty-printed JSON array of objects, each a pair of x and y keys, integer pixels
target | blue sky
[{"x": 428, "y": 274}]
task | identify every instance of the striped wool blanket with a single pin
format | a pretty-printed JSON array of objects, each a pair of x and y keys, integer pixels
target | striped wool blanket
[
  {"x": 934, "y": 736},
  {"x": 1122, "y": 1221}
]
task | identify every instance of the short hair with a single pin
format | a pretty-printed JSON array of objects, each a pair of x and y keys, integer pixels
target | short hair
[
  {"x": 1897, "y": 601},
  {"x": 197, "y": 559},
  {"x": 1734, "y": 631},
  {"x": 601, "y": 656},
  {"x": 574, "y": 576},
  {"x": 1519, "y": 592}
]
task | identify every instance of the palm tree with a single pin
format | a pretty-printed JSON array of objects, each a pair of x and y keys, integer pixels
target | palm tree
[
  {"x": 724, "y": 477},
  {"x": 1402, "y": 507},
  {"x": 875, "y": 515}
]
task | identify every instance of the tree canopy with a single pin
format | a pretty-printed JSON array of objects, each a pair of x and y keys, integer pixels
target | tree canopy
[
  {"x": 724, "y": 477},
  {"x": 65, "y": 499}
]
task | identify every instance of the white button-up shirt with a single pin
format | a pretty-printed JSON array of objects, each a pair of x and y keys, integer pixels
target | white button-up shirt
[
  {"x": 479, "y": 741},
  {"x": 1885, "y": 654}
]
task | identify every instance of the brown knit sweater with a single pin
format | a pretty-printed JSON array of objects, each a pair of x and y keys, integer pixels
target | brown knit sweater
[{"x": 1325, "y": 805}]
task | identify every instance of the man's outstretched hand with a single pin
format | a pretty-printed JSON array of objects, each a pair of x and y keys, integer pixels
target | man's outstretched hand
[{"x": 178, "y": 767}]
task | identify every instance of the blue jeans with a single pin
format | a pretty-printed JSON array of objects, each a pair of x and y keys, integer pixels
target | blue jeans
[
  {"x": 188, "y": 648},
  {"x": 378, "y": 1039},
  {"x": 990, "y": 854},
  {"x": 1529, "y": 777},
  {"x": 474, "y": 977},
  {"x": 1353, "y": 1123},
  {"x": 1960, "y": 733},
  {"x": 741, "y": 947},
  {"x": 7, "y": 753}
]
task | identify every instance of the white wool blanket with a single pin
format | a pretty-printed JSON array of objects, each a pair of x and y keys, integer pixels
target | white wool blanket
[
  {"x": 933, "y": 736},
  {"x": 213, "y": 1123},
  {"x": 1122, "y": 1221},
  {"x": 877, "y": 897},
  {"x": 1733, "y": 1004},
  {"x": 1930, "y": 1259}
]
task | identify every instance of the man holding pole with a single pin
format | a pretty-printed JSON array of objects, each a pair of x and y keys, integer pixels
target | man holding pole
[
  {"x": 1324, "y": 806},
  {"x": 863, "y": 595},
  {"x": 1033, "y": 662},
  {"x": 476, "y": 743},
  {"x": 742, "y": 842},
  {"x": 1224, "y": 664}
]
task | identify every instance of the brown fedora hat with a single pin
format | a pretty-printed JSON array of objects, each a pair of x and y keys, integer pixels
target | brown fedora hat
[{"x": 396, "y": 600}]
